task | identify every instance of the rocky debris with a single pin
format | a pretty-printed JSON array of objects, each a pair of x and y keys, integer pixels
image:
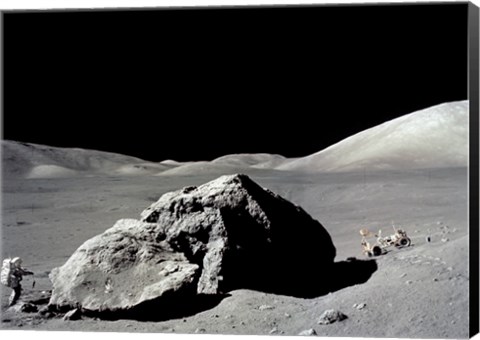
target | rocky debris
[
  {"x": 24, "y": 307},
  {"x": 308, "y": 332},
  {"x": 200, "y": 330},
  {"x": 74, "y": 314},
  {"x": 47, "y": 312},
  {"x": 265, "y": 307},
  {"x": 274, "y": 330},
  {"x": 44, "y": 310},
  {"x": 226, "y": 234},
  {"x": 359, "y": 306},
  {"x": 330, "y": 316},
  {"x": 28, "y": 308}
]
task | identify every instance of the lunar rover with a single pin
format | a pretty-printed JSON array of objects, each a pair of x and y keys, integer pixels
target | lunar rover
[{"x": 398, "y": 239}]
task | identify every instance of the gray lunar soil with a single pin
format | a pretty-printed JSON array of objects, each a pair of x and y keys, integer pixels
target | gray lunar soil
[{"x": 420, "y": 291}]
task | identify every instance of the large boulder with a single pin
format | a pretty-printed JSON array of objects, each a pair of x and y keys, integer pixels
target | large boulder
[{"x": 226, "y": 234}]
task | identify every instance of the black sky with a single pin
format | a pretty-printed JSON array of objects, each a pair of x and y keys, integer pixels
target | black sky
[{"x": 198, "y": 84}]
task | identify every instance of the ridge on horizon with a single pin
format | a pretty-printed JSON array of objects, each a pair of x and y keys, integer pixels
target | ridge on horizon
[{"x": 433, "y": 137}]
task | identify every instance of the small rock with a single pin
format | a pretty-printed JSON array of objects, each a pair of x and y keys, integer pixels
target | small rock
[
  {"x": 74, "y": 314},
  {"x": 409, "y": 282},
  {"x": 23, "y": 307},
  {"x": 287, "y": 315},
  {"x": 331, "y": 316},
  {"x": 355, "y": 305},
  {"x": 274, "y": 330},
  {"x": 308, "y": 332},
  {"x": 428, "y": 239},
  {"x": 445, "y": 240},
  {"x": 28, "y": 308},
  {"x": 435, "y": 279},
  {"x": 361, "y": 306},
  {"x": 449, "y": 269},
  {"x": 265, "y": 307},
  {"x": 416, "y": 231},
  {"x": 45, "y": 310},
  {"x": 200, "y": 330},
  {"x": 403, "y": 275},
  {"x": 228, "y": 316}
]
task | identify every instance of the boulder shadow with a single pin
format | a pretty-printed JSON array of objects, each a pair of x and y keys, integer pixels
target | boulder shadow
[{"x": 310, "y": 283}]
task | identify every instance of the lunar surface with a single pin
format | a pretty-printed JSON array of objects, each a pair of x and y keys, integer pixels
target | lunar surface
[{"x": 411, "y": 172}]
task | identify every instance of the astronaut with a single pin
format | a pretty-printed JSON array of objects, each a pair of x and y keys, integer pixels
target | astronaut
[{"x": 11, "y": 276}]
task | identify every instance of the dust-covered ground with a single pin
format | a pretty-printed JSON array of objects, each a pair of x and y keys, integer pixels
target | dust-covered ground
[{"x": 420, "y": 291}]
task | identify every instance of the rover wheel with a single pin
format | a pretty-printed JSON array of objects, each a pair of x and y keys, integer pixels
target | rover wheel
[
  {"x": 404, "y": 242},
  {"x": 377, "y": 251}
]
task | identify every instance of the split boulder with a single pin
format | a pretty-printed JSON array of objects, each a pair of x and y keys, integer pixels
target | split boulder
[{"x": 228, "y": 233}]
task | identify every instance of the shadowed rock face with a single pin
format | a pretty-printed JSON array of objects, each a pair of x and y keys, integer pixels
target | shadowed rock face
[{"x": 228, "y": 233}]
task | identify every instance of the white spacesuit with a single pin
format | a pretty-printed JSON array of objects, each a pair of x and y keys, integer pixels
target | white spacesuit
[{"x": 11, "y": 276}]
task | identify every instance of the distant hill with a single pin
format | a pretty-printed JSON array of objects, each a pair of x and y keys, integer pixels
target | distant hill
[
  {"x": 261, "y": 160},
  {"x": 40, "y": 161},
  {"x": 28, "y": 160},
  {"x": 435, "y": 137},
  {"x": 431, "y": 138},
  {"x": 228, "y": 164}
]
